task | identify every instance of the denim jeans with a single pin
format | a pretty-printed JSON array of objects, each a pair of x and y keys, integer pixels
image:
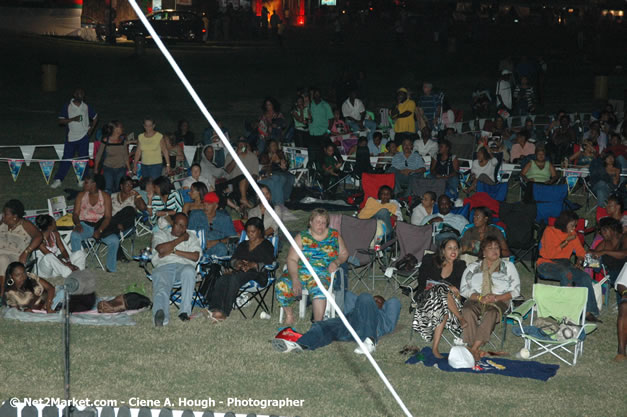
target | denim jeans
[
  {"x": 152, "y": 171},
  {"x": 112, "y": 178},
  {"x": 164, "y": 278},
  {"x": 371, "y": 125},
  {"x": 280, "y": 185},
  {"x": 365, "y": 318},
  {"x": 566, "y": 273},
  {"x": 69, "y": 149},
  {"x": 112, "y": 242},
  {"x": 602, "y": 190},
  {"x": 385, "y": 216}
]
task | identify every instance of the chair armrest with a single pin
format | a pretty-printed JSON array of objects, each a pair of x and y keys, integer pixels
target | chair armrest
[
  {"x": 519, "y": 313},
  {"x": 270, "y": 267}
]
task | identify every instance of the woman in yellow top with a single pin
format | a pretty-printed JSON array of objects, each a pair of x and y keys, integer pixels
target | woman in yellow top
[
  {"x": 539, "y": 171},
  {"x": 150, "y": 149}
]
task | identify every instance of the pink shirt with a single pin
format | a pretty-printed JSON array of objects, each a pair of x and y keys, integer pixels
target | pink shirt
[
  {"x": 91, "y": 213},
  {"x": 519, "y": 151}
]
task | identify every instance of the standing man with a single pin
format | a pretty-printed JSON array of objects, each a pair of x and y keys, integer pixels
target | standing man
[
  {"x": 321, "y": 121},
  {"x": 431, "y": 104},
  {"x": 504, "y": 94},
  {"x": 177, "y": 252},
  {"x": 80, "y": 119},
  {"x": 354, "y": 112},
  {"x": 404, "y": 117}
]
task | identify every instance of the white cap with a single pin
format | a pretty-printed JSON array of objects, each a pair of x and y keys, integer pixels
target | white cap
[{"x": 460, "y": 357}]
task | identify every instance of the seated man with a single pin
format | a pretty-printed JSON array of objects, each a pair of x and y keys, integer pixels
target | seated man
[
  {"x": 456, "y": 221},
  {"x": 376, "y": 145},
  {"x": 406, "y": 165},
  {"x": 371, "y": 317},
  {"x": 177, "y": 252},
  {"x": 217, "y": 224},
  {"x": 621, "y": 321},
  {"x": 384, "y": 209},
  {"x": 354, "y": 112}
]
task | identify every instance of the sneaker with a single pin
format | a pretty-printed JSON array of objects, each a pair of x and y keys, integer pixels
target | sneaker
[
  {"x": 284, "y": 346},
  {"x": 55, "y": 184},
  {"x": 288, "y": 334},
  {"x": 369, "y": 346},
  {"x": 159, "y": 317}
]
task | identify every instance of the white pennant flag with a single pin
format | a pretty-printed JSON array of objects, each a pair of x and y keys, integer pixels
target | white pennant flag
[
  {"x": 27, "y": 153},
  {"x": 59, "y": 150},
  {"x": 189, "y": 152}
]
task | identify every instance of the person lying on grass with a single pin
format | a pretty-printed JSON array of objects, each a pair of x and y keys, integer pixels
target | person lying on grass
[{"x": 371, "y": 316}]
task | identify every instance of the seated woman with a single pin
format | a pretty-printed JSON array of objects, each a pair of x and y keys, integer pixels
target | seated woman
[
  {"x": 615, "y": 209},
  {"x": 55, "y": 260},
  {"x": 488, "y": 286},
  {"x": 472, "y": 237},
  {"x": 197, "y": 193},
  {"x": 613, "y": 248},
  {"x": 165, "y": 203},
  {"x": 124, "y": 206},
  {"x": 275, "y": 170},
  {"x": 325, "y": 250},
  {"x": 483, "y": 169},
  {"x": 18, "y": 237},
  {"x": 537, "y": 171},
  {"x": 585, "y": 155},
  {"x": 271, "y": 123},
  {"x": 445, "y": 165},
  {"x": 247, "y": 264},
  {"x": 424, "y": 209},
  {"x": 556, "y": 247},
  {"x": 439, "y": 307},
  {"x": 384, "y": 208},
  {"x": 270, "y": 226},
  {"x": 27, "y": 292},
  {"x": 91, "y": 216},
  {"x": 604, "y": 177},
  {"x": 331, "y": 166}
]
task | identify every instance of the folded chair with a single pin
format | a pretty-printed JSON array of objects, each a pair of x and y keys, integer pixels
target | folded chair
[
  {"x": 357, "y": 235},
  {"x": 558, "y": 303}
]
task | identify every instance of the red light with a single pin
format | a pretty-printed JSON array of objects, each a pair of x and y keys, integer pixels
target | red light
[
  {"x": 371, "y": 9},
  {"x": 300, "y": 21},
  {"x": 204, "y": 30}
]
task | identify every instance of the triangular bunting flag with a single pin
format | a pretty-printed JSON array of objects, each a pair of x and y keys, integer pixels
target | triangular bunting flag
[
  {"x": 27, "y": 153},
  {"x": 79, "y": 168},
  {"x": 190, "y": 152},
  {"x": 59, "y": 150},
  {"x": 15, "y": 165},
  {"x": 571, "y": 179},
  {"x": 46, "y": 169}
]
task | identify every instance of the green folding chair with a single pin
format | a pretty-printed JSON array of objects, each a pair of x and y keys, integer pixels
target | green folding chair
[{"x": 558, "y": 303}]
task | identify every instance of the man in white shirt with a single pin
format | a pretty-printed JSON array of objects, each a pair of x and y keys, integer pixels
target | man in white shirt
[
  {"x": 80, "y": 119},
  {"x": 425, "y": 146},
  {"x": 175, "y": 254},
  {"x": 354, "y": 112},
  {"x": 456, "y": 221}
]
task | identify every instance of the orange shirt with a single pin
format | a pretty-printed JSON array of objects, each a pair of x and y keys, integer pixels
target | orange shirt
[{"x": 550, "y": 246}]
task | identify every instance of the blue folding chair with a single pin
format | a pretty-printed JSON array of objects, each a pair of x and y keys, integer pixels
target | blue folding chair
[
  {"x": 497, "y": 191},
  {"x": 549, "y": 200}
]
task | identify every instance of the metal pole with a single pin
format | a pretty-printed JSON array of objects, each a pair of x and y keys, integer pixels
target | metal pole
[{"x": 66, "y": 348}]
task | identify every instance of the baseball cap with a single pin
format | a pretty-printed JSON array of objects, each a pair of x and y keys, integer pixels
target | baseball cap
[
  {"x": 402, "y": 90},
  {"x": 211, "y": 198}
]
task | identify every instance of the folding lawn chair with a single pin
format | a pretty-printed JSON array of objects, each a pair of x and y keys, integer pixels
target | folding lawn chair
[
  {"x": 412, "y": 240},
  {"x": 523, "y": 233},
  {"x": 559, "y": 303},
  {"x": 254, "y": 290},
  {"x": 96, "y": 248},
  {"x": 497, "y": 191},
  {"x": 549, "y": 200},
  {"x": 358, "y": 235},
  {"x": 419, "y": 186},
  {"x": 370, "y": 183}
]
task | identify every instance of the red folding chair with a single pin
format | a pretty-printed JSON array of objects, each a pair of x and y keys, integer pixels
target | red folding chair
[{"x": 371, "y": 183}]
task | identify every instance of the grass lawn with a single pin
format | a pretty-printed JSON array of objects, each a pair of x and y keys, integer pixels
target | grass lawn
[{"x": 196, "y": 360}]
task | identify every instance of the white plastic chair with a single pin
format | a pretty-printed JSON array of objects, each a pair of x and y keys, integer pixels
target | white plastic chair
[{"x": 329, "y": 312}]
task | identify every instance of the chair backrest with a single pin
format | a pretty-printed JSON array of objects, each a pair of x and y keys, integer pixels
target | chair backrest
[
  {"x": 57, "y": 205},
  {"x": 372, "y": 182},
  {"x": 497, "y": 192},
  {"x": 602, "y": 212},
  {"x": 549, "y": 200},
  {"x": 559, "y": 302},
  {"x": 357, "y": 234},
  {"x": 419, "y": 186},
  {"x": 462, "y": 145},
  {"x": 413, "y": 239}
]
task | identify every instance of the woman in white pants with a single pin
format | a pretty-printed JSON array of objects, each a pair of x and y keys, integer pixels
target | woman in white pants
[{"x": 53, "y": 259}]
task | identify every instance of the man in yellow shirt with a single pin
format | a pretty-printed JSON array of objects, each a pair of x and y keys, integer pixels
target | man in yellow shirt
[{"x": 404, "y": 117}]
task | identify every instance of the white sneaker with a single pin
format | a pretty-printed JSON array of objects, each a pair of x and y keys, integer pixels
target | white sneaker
[
  {"x": 285, "y": 346},
  {"x": 370, "y": 346},
  {"x": 55, "y": 184}
]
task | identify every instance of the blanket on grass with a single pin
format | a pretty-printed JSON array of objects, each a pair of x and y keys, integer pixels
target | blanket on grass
[
  {"x": 91, "y": 317},
  {"x": 497, "y": 366}
]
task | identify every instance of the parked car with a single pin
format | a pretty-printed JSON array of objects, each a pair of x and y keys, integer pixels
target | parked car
[
  {"x": 169, "y": 24},
  {"x": 90, "y": 23}
]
